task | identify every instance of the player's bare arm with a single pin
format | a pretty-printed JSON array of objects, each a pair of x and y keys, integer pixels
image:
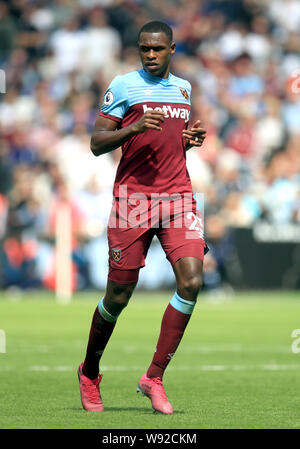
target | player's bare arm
[
  {"x": 195, "y": 136},
  {"x": 106, "y": 137}
]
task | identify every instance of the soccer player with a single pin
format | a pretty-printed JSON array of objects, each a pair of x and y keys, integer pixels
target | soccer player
[{"x": 147, "y": 113}]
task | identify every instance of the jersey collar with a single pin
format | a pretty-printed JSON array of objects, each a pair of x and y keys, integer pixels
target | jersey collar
[{"x": 155, "y": 79}]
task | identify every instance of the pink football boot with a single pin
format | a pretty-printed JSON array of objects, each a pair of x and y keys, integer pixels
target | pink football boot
[
  {"x": 89, "y": 391},
  {"x": 154, "y": 390}
]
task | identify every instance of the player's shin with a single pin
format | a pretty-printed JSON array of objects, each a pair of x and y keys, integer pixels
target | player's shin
[
  {"x": 174, "y": 322},
  {"x": 102, "y": 326}
]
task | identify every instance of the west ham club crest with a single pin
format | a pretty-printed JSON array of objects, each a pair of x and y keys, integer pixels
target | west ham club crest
[
  {"x": 116, "y": 253},
  {"x": 184, "y": 93}
]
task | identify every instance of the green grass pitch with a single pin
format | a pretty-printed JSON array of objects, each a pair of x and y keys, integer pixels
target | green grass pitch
[{"x": 235, "y": 367}]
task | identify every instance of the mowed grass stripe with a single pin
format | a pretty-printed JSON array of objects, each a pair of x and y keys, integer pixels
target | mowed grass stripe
[{"x": 234, "y": 369}]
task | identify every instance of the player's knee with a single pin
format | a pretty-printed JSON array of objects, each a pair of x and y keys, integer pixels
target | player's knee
[
  {"x": 119, "y": 296},
  {"x": 189, "y": 287},
  {"x": 121, "y": 299}
]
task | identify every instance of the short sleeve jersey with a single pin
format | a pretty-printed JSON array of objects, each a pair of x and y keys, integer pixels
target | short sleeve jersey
[{"x": 153, "y": 162}]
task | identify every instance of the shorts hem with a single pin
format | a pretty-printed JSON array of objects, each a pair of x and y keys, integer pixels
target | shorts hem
[
  {"x": 197, "y": 253},
  {"x": 122, "y": 282},
  {"x": 123, "y": 276}
]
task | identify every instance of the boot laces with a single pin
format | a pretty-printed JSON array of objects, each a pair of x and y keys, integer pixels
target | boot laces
[
  {"x": 92, "y": 390},
  {"x": 160, "y": 388}
]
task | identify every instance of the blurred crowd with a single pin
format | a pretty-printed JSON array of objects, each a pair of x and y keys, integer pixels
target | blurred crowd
[{"x": 242, "y": 58}]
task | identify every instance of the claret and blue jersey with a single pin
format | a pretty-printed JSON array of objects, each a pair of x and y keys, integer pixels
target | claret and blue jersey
[{"x": 153, "y": 161}]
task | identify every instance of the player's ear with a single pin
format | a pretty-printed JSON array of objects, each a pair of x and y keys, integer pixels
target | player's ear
[{"x": 173, "y": 48}]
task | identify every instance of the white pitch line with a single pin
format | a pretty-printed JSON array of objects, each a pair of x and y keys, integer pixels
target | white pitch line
[
  {"x": 39, "y": 368},
  {"x": 206, "y": 349},
  {"x": 122, "y": 368},
  {"x": 189, "y": 349}
]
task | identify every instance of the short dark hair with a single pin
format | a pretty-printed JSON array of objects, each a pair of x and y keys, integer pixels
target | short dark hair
[{"x": 157, "y": 27}]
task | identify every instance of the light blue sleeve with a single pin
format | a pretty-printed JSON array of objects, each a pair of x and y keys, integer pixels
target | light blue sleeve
[
  {"x": 189, "y": 89},
  {"x": 115, "y": 101}
]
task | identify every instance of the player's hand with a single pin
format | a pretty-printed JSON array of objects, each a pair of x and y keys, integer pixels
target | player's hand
[
  {"x": 194, "y": 136},
  {"x": 150, "y": 120}
]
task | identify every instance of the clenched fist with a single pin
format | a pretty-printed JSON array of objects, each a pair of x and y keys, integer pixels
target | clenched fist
[{"x": 150, "y": 120}]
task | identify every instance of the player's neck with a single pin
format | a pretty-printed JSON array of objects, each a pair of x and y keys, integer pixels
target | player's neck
[{"x": 165, "y": 75}]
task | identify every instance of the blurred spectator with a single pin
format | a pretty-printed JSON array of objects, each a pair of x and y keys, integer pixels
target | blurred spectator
[
  {"x": 231, "y": 42},
  {"x": 6, "y": 169},
  {"x": 221, "y": 266},
  {"x": 281, "y": 194},
  {"x": 7, "y": 32},
  {"x": 241, "y": 134},
  {"x": 244, "y": 80},
  {"x": 258, "y": 42},
  {"x": 270, "y": 132},
  {"x": 23, "y": 225},
  {"x": 102, "y": 45},
  {"x": 67, "y": 44},
  {"x": 286, "y": 13},
  {"x": 291, "y": 105}
]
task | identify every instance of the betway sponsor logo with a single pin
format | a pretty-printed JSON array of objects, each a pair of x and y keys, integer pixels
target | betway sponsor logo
[{"x": 170, "y": 112}]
